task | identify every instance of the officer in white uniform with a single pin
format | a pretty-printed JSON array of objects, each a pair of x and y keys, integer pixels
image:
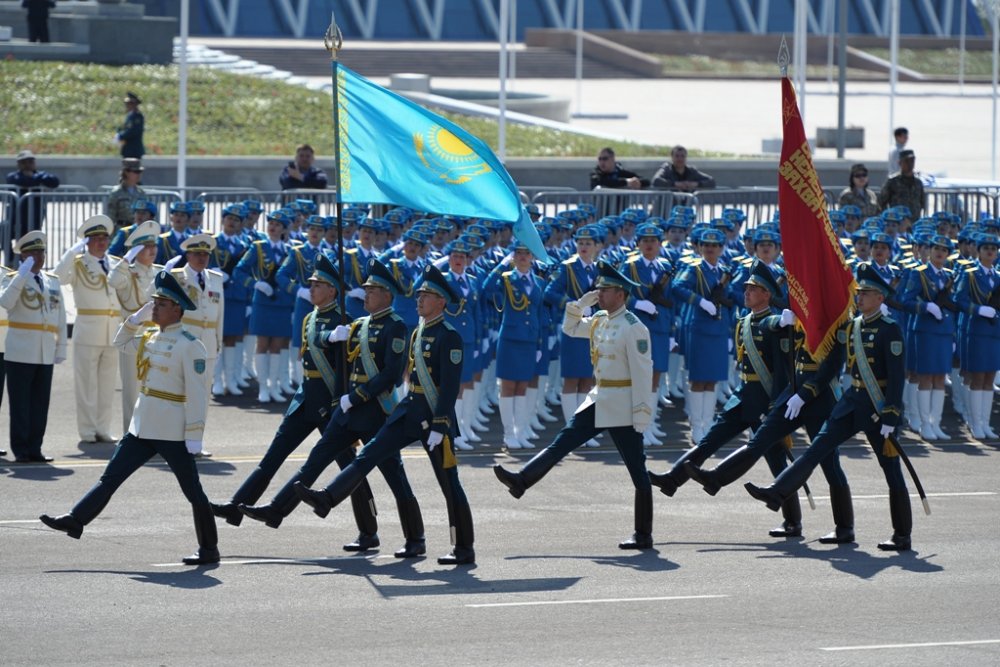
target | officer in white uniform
[
  {"x": 621, "y": 401},
  {"x": 85, "y": 268},
  {"x": 132, "y": 278},
  {"x": 35, "y": 341},
  {"x": 204, "y": 287},
  {"x": 169, "y": 417}
]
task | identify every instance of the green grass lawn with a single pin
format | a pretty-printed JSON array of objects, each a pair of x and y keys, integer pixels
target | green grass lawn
[
  {"x": 942, "y": 62},
  {"x": 74, "y": 109}
]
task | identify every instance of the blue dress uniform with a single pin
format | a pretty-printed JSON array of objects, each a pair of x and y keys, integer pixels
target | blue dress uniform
[
  {"x": 763, "y": 375},
  {"x": 129, "y": 135},
  {"x": 654, "y": 285},
  {"x": 229, "y": 250},
  {"x": 293, "y": 276},
  {"x": 376, "y": 350},
  {"x": 933, "y": 337},
  {"x": 270, "y": 314},
  {"x": 572, "y": 280},
  {"x": 465, "y": 315},
  {"x": 621, "y": 402},
  {"x": 356, "y": 261},
  {"x": 518, "y": 297},
  {"x": 308, "y": 411},
  {"x": 169, "y": 245},
  {"x": 169, "y": 420},
  {"x": 406, "y": 274},
  {"x": 117, "y": 247},
  {"x": 872, "y": 405},
  {"x": 434, "y": 380}
]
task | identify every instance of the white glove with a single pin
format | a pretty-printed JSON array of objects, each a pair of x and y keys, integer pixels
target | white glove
[
  {"x": 538, "y": 356},
  {"x": 587, "y": 312},
  {"x": 79, "y": 247},
  {"x": 225, "y": 276},
  {"x": 507, "y": 260},
  {"x": 193, "y": 446},
  {"x": 989, "y": 312},
  {"x": 345, "y": 403},
  {"x": 794, "y": 406},
  {"x": 303, "y": 293},
  {"x": 588, "y": 300},
  {"x": 263, "y": 288},
  {"x": 357, "y": 293},
  {"x": 59, "y": 359},
  {"x": 552, "y": 341},
  {"x": 486, "y": 346},
  {"x": 475, "y": 354},
  {"x": 640, "y": 427},
  {"x": 172, "y": 262},
  {"x": 886, "y": 430},
  {"x": 433, "y": 440},
  {"x": 340, "y": 334},
  {"x": 645, "y": 306},
  {"x": 141, "y": 315},
  {"x": 248, "y": 311},
  {"x": 133, "y": 253},
  {"x": 708, "y": 307},
  {"x": 729, "y": 345},
  {"x": 787, "y": 318},
  {"x": 673, "y": 344},
  {"x": 934, "y": 310},
  {"x": 884, "y": 308},
  {"x": 25, "y": 267}
]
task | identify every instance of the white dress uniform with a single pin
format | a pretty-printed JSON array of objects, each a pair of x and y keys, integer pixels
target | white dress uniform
[
  {"x": 95, "y": 361},
  {"x": 205, "y": 322},
  {"x": 134, "y": 285}
]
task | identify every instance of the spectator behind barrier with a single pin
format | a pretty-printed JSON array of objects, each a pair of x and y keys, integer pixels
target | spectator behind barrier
[
  {"x": 609, "y": 173},
  {"x": 677, "y": 175}
]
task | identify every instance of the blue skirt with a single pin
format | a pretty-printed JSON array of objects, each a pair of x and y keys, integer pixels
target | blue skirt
[
  {"x": 574, "y": 355},
  {"x": 234, "y": 318},
  {"x": 933, "y": 353},
  {"x": 982, "y": 354},
  {"x": 271, "y": 321},
  {"x": 708, "y": 359},
  {"x": 660, "y": 349},
  {"x": 515, "y": 360},
  {"x": 470, "y": 362}
]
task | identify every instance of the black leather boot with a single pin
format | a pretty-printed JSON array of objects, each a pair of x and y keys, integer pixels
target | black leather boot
[
  {"x": 459, "y": 556},
  {"x": 413, "y": 529},
  {"x": 324, "y": 500},
  {"x": 320, "y": 500},
  {"x": 642, "y": 538},
  {"x": 843, "y": 516},
  {"x": 363, "y": 504},
  {"x": 512, "y": 480},
  {"x": 667, "y": 483},
  {"x": 792, "y": 525},
  {"x": 67, "y": 523},
  {"x": 250, "y": 491},
  {"x": 228, "y": 511},
  {"x": 268, "y": 514},
  {"x": 902, "y": 521},
  {"x": 766, "y": 495},
  {"x": 208, "y": 537},
  {"x": 704, "y": 477}
]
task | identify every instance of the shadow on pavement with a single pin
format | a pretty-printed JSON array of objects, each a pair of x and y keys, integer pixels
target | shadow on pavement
[
  {"x": 193, "y": 578},
  {"x": 38, "y": 472},
  {"x": 643, "y": 561}
]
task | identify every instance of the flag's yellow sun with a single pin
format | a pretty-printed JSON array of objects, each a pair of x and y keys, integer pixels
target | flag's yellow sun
[{"x": 447, "y": 144}]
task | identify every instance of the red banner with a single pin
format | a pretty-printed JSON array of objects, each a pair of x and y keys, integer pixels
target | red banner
[{"x": 820, "y": 285}]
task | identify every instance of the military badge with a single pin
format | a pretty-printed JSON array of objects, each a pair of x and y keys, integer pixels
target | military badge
[
  {"x": 199, "y": 366},
  {"x": 784, "y": 345},
  {"x": 643, "y": 345},
  {"x": 398, "y": 345},
  {"x": 841, "y": 336},
  {"x": 455, "y": 356},
  {"x": 896, "y": 347}
]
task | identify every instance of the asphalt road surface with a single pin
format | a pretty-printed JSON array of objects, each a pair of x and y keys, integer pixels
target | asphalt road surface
[{"x": 550, "y": 586}]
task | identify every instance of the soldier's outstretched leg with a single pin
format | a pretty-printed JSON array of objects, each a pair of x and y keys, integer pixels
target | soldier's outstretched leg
[
  {"x": 413, "y": 528},
  {"x": 725, "y": 428},
  {"x": 843, "y": 516},
  {"x": 902, "y": 521},
  {"x": 365, "y": 512},
  {"x": 579, "y": 430},
  {"x": 791, "y": 510}
]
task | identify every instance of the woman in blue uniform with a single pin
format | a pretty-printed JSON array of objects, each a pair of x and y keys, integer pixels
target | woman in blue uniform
[
  {"x": 271, "y": 308},
  {"x": 229, "y": 249},
  {"x": 293, "y": 279}
]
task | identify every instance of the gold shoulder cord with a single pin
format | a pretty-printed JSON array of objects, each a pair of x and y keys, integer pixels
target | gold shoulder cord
[
  {"x": 594, "y": 355},
  {"x": 85, "y": 277},
  {"x": 142, "y": 362},
  {"x": 352, "y": 353},
  {"x": 515, "y": 303}
]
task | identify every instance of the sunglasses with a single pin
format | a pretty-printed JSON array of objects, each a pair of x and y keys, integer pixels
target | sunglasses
[
  {"x": 861, "y": 173},
  {"x": 603, "y": 158}
]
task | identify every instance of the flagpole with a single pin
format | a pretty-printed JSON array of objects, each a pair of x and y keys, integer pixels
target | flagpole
[{"x": 333, "y": 40}]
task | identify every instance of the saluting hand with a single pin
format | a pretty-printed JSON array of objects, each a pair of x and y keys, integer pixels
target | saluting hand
[
  {"x": 133, "y": 253},
  {"x": 26, "y": 265},
  {"x": 142, "y": 315},
  {"x": 588, "y": 300}
]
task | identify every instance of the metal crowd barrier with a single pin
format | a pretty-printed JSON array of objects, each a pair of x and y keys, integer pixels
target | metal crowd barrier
[
  {"x": 8, "y": 214},
  {"x": 612, "y": 202},
  {"x": 969, "y": 203}
]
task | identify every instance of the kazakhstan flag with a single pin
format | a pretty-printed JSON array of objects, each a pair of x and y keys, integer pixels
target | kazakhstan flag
[{"x": 396, "y": 152}]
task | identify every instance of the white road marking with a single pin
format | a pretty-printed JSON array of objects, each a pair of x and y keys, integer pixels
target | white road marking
[
  {"x": 286, "y": 561},
  {"x": 923, "y": 645},
  {"x": 595, "y": 601},
  {"x": 6, "y": 521}
]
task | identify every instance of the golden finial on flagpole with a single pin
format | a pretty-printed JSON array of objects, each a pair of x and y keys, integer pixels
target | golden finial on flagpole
[
  {"x": 783, "y": 57},
  {"x": 333, "y": 40}
]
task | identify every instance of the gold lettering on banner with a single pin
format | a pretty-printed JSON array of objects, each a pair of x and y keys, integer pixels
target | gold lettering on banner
[
  {"x": 797, "y": 292},
  {"x": 800, "y": 175}
]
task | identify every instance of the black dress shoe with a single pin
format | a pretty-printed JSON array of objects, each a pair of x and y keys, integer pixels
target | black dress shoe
[
  {"x": 364, "y": 542},
  {"x": 3, "y": 452},
  {"x": 266, "y": 513},
  {"x": 838, "y": 536},
  {"x": 40, "y": 458},
  {"x": 459, "y": 556},
  {"x": 896, "y": 543},
  {"x": 787, "y": 529},
  {"x": 202, "y": 556},
  {"x": 318, "y": 500},
  {"x": 228, "y": 511},
  {"x": 703, "y": 477},
  {"x": 637, "y": 541},
  {"x": 412, "y": 549},
  {"x": 665, "y": 482},
  {"x": 511, "y": 480},
  {"x": 765, "y": 495},
  {"x": 67, "y": 523}
]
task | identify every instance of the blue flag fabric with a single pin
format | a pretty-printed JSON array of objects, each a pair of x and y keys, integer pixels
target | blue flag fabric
[{"x": 396, "y": 152}]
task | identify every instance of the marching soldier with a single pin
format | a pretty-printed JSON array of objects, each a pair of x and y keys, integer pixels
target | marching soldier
[
  {"x": 309, "y": 410},
  {"x": 132, "y": 279},
  {"x": 85, "y": 268},
  {"x": 376, "y": 347},
  {"x": 204, "y": 287},
  {"x": 621, "y": 400},
  {"x": 35, "y": 341},
  {"x": 426, "y": 414},
  {"x": 169, "y": 417},
  {"x": 872, "y": 405}
]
